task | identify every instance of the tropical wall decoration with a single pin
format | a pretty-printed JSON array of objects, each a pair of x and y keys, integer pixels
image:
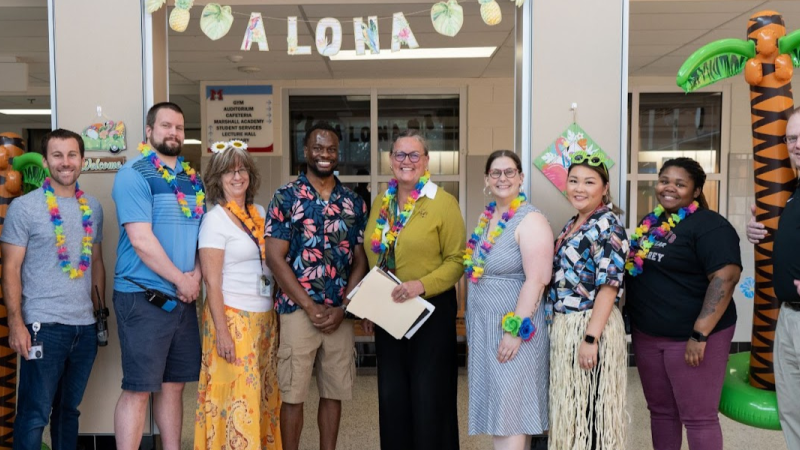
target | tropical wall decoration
[
  {"x": 554, "y": 162},
  {"x": 108, "y": 136}
]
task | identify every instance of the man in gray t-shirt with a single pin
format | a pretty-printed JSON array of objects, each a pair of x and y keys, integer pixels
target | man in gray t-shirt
[{"x": 52, "y": 262}]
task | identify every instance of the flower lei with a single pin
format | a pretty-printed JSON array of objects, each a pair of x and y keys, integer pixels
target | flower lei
[
  {"x": 475, "y": 258},
  {"x": 253, "y": 221},
  {"x": 645, "y": 235},
  {"x": 61, "y": 239},
  {"x": 523, "y": 328},
  {"x": 381, "y": 242},
  {"x": 199, "y": 195}
]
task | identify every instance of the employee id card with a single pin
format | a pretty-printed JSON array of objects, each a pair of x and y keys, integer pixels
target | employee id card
[{"x": 264, "y": 286}]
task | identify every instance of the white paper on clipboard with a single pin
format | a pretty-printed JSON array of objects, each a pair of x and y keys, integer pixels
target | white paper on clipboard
[{"x": 371, "y": 299}]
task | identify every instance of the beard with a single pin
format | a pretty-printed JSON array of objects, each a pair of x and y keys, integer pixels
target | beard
[
  {"x": 164, "y": 149},
  {"x": 312, "y": 167},
  {"x": 66, "y": 180}
]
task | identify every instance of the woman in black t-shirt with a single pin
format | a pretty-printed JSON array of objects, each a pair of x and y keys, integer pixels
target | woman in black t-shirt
[{"x": 683, "y": 267}]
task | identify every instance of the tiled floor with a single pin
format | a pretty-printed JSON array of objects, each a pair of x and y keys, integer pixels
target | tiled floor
[{"x": 359, "y": 426}]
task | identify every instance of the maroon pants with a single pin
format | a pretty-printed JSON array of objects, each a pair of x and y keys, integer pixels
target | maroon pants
[{"x": 679, "y": 395}]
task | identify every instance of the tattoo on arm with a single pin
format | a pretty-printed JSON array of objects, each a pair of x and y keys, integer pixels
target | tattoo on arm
[{"x": 714, "y": 295}]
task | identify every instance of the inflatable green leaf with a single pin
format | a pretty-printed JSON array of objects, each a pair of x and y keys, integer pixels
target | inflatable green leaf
[
  {"x": 790, "y": 45},
  {"x": 154, "y": 5},
  {"x": 447, "y": 17},
  {"x": 713, "y": 62},
  {"x": 216, "y": 20}
]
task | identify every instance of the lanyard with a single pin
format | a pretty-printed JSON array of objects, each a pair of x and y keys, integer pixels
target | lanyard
[{"x": 252, "y": 238}]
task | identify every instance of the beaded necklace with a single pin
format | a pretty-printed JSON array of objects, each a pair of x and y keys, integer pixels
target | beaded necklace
[
  {"x": 199, "y": 195},
  {"x": 474, "y": 256},
  {"x": 253, "y": 221},
  {"x": 381, "y": 242},
  {"x": 645, "y": 235},
  {"x": 61, "y": 239}
]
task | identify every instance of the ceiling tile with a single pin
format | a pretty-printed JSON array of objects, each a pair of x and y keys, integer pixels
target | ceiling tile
[
  {"x": 659, "y": 7},
  {"x": 680, "y": 21}
]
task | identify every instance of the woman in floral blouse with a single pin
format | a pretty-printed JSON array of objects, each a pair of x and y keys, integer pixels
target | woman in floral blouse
[{"x": 587, "y": 338}]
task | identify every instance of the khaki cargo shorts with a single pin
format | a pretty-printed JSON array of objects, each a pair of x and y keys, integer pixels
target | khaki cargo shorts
[{"x": 302, "y": 345}]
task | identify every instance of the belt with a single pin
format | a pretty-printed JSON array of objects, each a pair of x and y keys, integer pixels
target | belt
[{"x": 792, "y": 305}]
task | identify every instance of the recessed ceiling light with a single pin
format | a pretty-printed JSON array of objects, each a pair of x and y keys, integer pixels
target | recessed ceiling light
[
  {"x": 192, "y": 142},
  {"x": 25, "y": 112},
  {"x": 249, "y": 69},
  {"x": 417, "y": 53}
]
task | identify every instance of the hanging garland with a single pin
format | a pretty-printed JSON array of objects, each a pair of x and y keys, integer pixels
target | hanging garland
[
  {"x": 253, "y": 221},
  {"x": 475, "y": 258},
  {"x": 61, "y": 239},
  {"x": 199, "y": 195},
  {"x": 381, "y": 242},
  {"x": 645, "y": 235}
]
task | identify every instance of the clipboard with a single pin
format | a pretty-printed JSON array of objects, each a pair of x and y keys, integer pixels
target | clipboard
[{"x": 372, "y": 299}]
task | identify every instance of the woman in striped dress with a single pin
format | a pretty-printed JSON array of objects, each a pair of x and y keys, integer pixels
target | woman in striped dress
[{"x": 508, "y": 264}]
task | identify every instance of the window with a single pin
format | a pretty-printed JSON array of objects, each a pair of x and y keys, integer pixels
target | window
[
  {"x": 670, "y": 125},
  {"x": 348, "y": 114},
  {"x": 367, "y": 122}
]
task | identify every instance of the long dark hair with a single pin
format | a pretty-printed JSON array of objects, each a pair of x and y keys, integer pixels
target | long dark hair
[{"x": 696, "y": 173}]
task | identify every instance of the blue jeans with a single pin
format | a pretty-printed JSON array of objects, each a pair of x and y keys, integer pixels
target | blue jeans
[{"x": 52, "y": 387}]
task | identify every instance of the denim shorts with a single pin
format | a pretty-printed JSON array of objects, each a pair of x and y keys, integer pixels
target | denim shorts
[{"x": 157, "y": 346}]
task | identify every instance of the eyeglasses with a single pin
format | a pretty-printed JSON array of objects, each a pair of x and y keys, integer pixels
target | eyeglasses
[
  {"x": 242, "y": 172},
  {"x": 593, "y": 160},
  {"x": 401, "y": 156},
  {"x": 509, "y": 173},
  {"x": 791, "y": 140}
]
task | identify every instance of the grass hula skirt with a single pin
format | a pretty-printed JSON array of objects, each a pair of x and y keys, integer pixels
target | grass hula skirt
[{"x": 576, "y": 413}]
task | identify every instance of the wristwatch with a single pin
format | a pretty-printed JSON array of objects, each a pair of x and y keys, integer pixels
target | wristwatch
[
  {"x": 698, "y": 336},
  {"x": 589, "y": 339}
]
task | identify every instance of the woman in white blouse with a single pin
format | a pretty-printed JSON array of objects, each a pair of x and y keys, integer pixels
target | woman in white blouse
[{"x": 238, "y": 399}]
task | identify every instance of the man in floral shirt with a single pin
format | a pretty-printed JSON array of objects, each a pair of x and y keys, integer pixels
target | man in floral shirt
[{"x": 314, "y": 234}]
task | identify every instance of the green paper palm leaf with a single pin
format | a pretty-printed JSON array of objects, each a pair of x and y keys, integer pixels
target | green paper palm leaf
[
  {"x": 790, "y": 45},
  {"x": 714, "y": 62}
]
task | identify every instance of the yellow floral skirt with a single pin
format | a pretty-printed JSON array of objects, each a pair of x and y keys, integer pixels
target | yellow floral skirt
[{"x": 238, "y": 404}]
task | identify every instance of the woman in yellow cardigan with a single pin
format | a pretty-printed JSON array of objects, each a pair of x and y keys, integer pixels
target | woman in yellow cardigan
[{"x": 420, "y": 238}]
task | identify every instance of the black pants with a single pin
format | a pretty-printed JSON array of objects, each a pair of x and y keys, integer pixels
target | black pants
[{"x": 417, "y": 382}]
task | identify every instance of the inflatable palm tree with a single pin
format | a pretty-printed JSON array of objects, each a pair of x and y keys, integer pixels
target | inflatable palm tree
[{"x": 767, "y": 58}]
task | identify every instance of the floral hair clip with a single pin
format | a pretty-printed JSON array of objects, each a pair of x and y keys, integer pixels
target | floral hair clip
[
  {"x": 219, "y": 146},
  {"x": 237, "y": 144}
]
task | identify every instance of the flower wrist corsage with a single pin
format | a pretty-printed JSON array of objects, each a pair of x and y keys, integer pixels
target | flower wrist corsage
[{"x": 517, "y": 326}]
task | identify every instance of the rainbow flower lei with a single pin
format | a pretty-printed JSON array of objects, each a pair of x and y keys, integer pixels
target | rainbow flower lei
[
  {"x": 474, "y": 257},
  {"x": 645, "y": 235},
  {"x": 381, "y": 242},
  {"x": 199, "y": 195},
  {"x": 61, "y": 239}
]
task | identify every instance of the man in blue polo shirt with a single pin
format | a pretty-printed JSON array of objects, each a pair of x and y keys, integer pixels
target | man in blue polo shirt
[{"x": 159, "y": 202}]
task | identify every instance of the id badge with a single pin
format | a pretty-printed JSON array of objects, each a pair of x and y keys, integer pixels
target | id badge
[
  {"x": 36, "y": 351},
  {"x": 37, "y": 348},
  {"x": 264, "y": 286}
]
